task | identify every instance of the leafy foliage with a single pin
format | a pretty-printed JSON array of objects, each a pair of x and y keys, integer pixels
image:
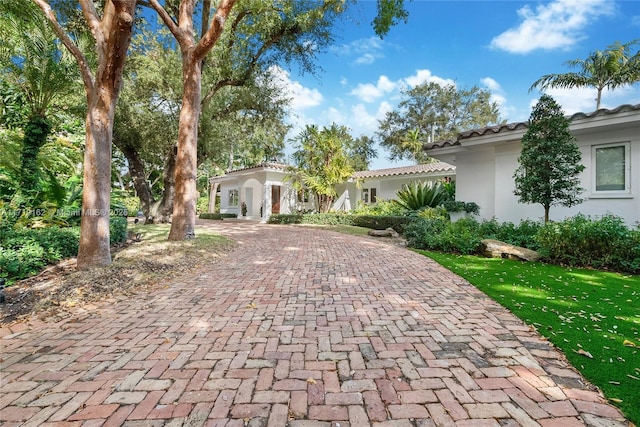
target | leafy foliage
[
  {"x": 117, "y": 229},
  {"x": 548, "y": 173},
  {"x": 604, "y": 243},
  {"x": 460, "y": 206},
  {"x": 376, "y": 222},
  {"x": 321, "y": 162},
  {"x": 612, "y": 68},
  {"x": 421, "y": 194},
  {"x": 25, "y": 252},
  {"x": 435, "y": 111},
  {"x": 217, "y": 216},
  {"x": 382, "y": 207}
]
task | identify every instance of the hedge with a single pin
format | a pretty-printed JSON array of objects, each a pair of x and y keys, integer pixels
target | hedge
[
  {"x": 398, "y": 223},
  {"x": 217, "y": 216}
]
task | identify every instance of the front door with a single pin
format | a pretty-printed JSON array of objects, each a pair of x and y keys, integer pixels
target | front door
[{"x": 275, "y": 199}]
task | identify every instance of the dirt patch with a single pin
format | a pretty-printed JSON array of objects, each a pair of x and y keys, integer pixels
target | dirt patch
[{"x": 137, "y": 267}]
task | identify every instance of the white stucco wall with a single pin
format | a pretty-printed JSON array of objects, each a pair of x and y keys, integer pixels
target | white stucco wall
[{"x": 484, "y": 174}]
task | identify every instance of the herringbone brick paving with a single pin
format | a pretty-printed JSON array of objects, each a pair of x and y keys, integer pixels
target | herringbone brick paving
[{"x": 296, "y": 327}]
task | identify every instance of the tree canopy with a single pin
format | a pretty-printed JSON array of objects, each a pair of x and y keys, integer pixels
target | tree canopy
[
  {"x": 549, "y": 163},
  {"x": 322, "y": 161},
  {"x": 614, "y": 67},
  {"x": 430, "y": 112}
]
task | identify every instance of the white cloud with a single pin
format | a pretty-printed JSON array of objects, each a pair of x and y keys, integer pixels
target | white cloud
[
  {"x": 301, "y": 97},
  {"x": 497, "y": 96},
  {"x": 368, "y": 92},
  {"x": 366, "y": 51},
  {"x": 555, "y": 25},
  {"x": 583, "y": 100},
  {"x": 491, "y": 84},
  {"x": 425, "y": 76}
]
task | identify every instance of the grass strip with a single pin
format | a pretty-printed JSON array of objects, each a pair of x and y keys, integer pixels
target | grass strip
[{"x": 592, "y": 316}]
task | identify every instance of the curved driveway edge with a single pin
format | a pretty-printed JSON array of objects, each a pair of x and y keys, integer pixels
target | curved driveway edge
[{"x": 296, "y": 327}]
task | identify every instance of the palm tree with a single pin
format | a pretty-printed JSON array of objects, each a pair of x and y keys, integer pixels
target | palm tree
[
  {"x": 34, "y": 66},
  {"x": 612, "y": 68}
]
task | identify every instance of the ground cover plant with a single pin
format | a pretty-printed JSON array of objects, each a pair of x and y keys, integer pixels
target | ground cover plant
[
  {"x": 139, "y": 267},
  {"x": 592, "y": 316}
]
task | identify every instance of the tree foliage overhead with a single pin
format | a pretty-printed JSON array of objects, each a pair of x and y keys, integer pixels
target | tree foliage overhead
[
  {"x": 36, "y": 74},
  {"x": 431, "y": 111},
  {"x": 614, "y": 67},
  {"x": 549, "y": 163}
]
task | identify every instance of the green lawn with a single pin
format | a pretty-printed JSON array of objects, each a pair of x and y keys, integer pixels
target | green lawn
[{"x": 592, "y": 316}]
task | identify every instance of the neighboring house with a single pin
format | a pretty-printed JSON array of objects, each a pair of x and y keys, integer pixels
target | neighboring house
[
  {"x": 609, "y": 140},
  {"x": 368, "y": 186},
  {"x": 265, "y": 190}
]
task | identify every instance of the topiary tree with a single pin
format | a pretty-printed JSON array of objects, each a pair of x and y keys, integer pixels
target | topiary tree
[{"x": 549, "y": 160}]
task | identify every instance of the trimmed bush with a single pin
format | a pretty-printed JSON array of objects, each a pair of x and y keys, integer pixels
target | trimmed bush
[
  {"x": 398, "y": 223},
  {"x": 285, "y": 219},
  {"x": 117, "y": 230},
  {"x": 217, "y": 216},
  {"x": 605, "y": 243}
]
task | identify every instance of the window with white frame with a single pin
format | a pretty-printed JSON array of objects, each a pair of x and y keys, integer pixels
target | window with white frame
[
  {"x": 611, "y": 166},
  {"x": 233, "y": 198},
  {"x": 303, "y": 196},
  {"x": 369, "y": 195}
]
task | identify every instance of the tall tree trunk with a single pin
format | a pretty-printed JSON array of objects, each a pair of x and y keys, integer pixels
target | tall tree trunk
[
  {"x": 162, "y": 210},
  {"x": 137, "y": 172},
  {"x": 112, "y": 36},
  {"x": 94, "y": 249},
  {"x": 184, "y": 208}
]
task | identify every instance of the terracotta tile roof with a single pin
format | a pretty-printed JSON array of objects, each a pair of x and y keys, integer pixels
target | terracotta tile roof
[
  {"x": 523, "y": 125},
  {"x": 406, "y": 170},
  {"x": 264, "y": 165}
]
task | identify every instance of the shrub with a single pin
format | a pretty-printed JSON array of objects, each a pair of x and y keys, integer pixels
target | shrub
[
  {"x": 459, "y": 206},
  {"x": 522, "y": 234},
  {"x": 605, "y": 243},
  {"x": 25, "y": 252},
  {"x": 398, "y": 223},
  {"x": 132, "y": 205},
  {"x": 462, "y": 236},
  {"x": 202, "y": 205},
  {"x": 419, "y": 195},
  {"x": 422, "y": 233},
  {"x": 285, "y": 219},
  {"x": 217, "y": 216},
  {"x": 380, "y": 208},
  {"x": 117, "y": 230}
]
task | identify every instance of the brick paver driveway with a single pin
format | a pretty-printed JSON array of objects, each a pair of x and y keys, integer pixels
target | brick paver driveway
[{"x": 297, "y": 327}]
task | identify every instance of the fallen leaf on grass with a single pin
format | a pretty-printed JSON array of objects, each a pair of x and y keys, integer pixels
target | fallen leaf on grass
[
  {"x": 628, "y": 343},
  {"x": 633, "y": 378},
  {"x": 585, "y": 353},
  {"x": 614, "y": 400}
]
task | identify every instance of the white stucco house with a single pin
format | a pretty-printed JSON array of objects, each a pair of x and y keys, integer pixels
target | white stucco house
[
  {"x": 609, "y": 140},
  {"x": 264, "y": 189}
]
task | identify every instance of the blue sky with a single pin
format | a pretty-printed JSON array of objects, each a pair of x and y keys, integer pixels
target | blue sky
[{"x": 501, "y": 46}]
